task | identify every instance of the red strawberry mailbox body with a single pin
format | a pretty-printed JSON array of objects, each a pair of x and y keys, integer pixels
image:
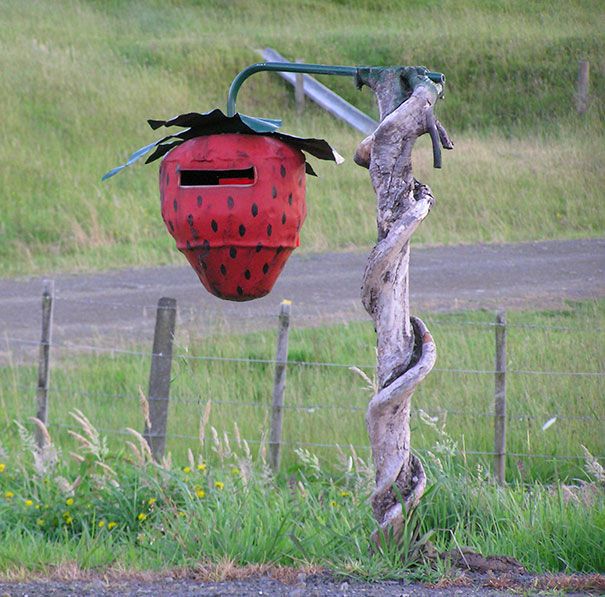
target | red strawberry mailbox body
[{"x": 234, "y": 203}]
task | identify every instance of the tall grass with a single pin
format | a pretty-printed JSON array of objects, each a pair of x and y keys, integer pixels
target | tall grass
[
  {"x": 118, "y": 509},
  {"x": 80, "y": 78},
  {"x": 326, "y": 405}
]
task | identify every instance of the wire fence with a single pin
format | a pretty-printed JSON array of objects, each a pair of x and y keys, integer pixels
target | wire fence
[{"x": 342, "y": 404}]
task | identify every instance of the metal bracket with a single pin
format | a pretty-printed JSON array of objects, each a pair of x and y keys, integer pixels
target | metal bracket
[{"x": 395, "y": 83}]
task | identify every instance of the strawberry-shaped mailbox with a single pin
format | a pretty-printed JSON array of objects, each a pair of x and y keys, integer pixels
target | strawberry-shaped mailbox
[
  {"x": 234, "y": 203},
  {"x": 232, "y": 193},
  {"x": 232, "y": 187}
]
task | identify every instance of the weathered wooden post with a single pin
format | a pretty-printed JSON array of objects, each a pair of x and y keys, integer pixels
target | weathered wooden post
[
  {"x": 406, "y": 351},
  {"x": 279, "y": 385},
  {"x": 500, "y": 400},
  {"x": 44, "y": 357},
  {"x": 159, "y": 377},
  {"x": 582, "y": 86}
]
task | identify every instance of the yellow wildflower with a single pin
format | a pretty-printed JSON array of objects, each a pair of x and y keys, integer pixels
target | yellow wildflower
[
  {"x": 29, "y": 503},
  {"x": 101, "y": 524},
  {"x": 186, "y": 469},
  {"x": 182, "y": 514},
  {"x": 219, "y": 484},
  {"x": 200, "y": 493},
  {"x": 2, "y": 467},
  {"x": 112, "y": 525},
  {"x": 37, "y": 506},
  {"x": 8, "y": 495},
  {"x": 40, "y": 522},
  {"x": 235, "y": 471},
  {"x": 142, "y": 516},
  {"x": 200, "y": 467},
  {"x": 333, "y": 504},
  {"x": 67, "y": 518},
  {"x": 344, "y": 494},
  {"x": 69, "y": 502},
  {"x": 151, "y": 501}
]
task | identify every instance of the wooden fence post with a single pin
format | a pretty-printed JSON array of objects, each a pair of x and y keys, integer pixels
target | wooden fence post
[
  {"x": 582, "y": 87},
  {"x": 159, "y": 377},
  {"x": 500, "y": 399},
  {"x": 44, "y": 356},
  {"x": 279, "y": 385},
  {"x": 299, "y": 91}
]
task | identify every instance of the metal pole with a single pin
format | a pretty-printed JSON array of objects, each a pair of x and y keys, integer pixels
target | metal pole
[
  {"x": 279, "y": 386},
  {"x": 159, "y": 377},
  {"x": 500, "y": 400},
  {"x": 299, "y": 91},
  {"x": 44, "y": 356},
  {"x": 294, "y": 67}
]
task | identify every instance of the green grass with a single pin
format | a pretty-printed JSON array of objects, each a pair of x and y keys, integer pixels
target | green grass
[
  {"x": 120, "y": 511},
  {"x": 80, "y": 78},
  {"x": 326, "y": 405}
]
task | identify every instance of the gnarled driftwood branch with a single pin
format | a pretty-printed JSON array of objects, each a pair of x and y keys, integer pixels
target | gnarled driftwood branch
[{"x": 406, "y": 351}]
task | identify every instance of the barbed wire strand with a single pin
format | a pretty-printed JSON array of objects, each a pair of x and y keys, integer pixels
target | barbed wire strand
[
  {"x": 243, "y": 360},
  {"x": 437, "y": 321},
  {"x": 305, "y": 407},
  {"x": 339, "y": 446}
]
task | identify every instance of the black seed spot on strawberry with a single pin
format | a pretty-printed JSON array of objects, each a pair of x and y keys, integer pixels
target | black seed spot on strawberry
[
  {"x": 247, "y": 274},
  {"x": 204, "y": 265},
  {"x": 240, "y": 291},
  {"x": 259, "y": 247},
  {"x": 282, "y": 171},
  {"x": 290, "y": 199},
  {"x": 283, "y": 218},
  {"x": 269, "y": 229},
  {"x": 254, "y": 210},
  {"x": 242, "y": 230},
  {"x": 167, "y": 178},
  {"x": 190, "y": 220},
  {"x": 233, "y": 252},
  {"x": 175, "y": 205},
  {"x": 206, "y": 245},
  {"x": 171, "y": 225},
  {"x": 279, "y": 250},
  {"x": 273, "y": 192},
  {"x": 188, "y": 245},
  {"x": 230, "y": 202},
  {"x": 265, "y": 268},
  {"x": 199, "y": 201},
  {"x": 194, "y": 234},
  {"x": 214, "y": 226},
  {"x": 223, "y": 269}
]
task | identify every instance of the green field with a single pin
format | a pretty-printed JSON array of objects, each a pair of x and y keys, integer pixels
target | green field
[
  {"x": 80, "y": 78},
  {"x": 326, "y": 405},
  {"x": 95, "y": 503}
]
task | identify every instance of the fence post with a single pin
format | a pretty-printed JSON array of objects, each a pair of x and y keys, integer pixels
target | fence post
[
  {"x": 279, "y": 385},
  {"x": 299, "y": 91},
  {"x": 582, "y": 86},
  {"x": 44, "y": 357},
  {"x": 159, "y": 377},
  {"x": 500, "y": 399}
]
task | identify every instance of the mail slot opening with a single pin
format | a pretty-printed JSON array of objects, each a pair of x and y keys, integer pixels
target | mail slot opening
[{"x": 211, "y": 178}]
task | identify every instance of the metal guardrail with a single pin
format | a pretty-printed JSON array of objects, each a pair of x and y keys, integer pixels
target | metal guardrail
[{"x": 324, "y": 97}]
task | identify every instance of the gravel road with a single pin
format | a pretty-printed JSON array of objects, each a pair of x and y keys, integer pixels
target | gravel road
[{"x": 118, "y": 306}]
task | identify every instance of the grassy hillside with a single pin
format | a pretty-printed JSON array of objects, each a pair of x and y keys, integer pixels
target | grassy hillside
[{"x": 80, "y": 78}]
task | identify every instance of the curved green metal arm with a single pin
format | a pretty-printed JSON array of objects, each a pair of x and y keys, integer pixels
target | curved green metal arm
[{"x": 297, "y": 67}]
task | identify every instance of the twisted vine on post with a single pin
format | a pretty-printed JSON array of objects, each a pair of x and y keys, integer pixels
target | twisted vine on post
[{"x": 406, "y": 351}]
